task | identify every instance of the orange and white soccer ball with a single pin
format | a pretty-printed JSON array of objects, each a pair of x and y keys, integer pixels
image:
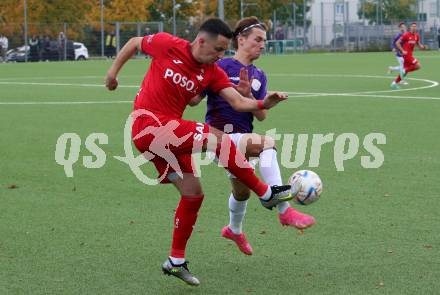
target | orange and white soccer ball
[{"x": 306, "y": 187}]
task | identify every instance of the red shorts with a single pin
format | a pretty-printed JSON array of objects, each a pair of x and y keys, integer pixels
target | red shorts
[
  {"x": 170, "y": 141},
  {"x": 409, "y": 60}
]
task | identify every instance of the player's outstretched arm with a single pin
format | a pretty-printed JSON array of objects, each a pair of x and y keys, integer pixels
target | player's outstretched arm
[
  {"x": 421, "y": 46},
  {"x": 129, "y": 49},
  {"x": 244, "y": 104},
  {"x": 399, "y": 45},
  {"x": 272, "y": 99}
]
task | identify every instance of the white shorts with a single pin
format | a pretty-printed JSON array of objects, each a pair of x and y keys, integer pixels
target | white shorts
[
  {"x": 235, "y": 138},
  {"x": 400, "y": 60}
]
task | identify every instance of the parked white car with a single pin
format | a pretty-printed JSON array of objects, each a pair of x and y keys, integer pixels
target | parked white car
[
  {"x": 81, "y": 52},
  {"x": 75, "y": 51}
]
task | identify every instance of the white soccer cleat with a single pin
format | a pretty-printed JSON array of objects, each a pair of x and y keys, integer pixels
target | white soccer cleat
[
  {"x": 394, "y": 85},
  {"x": 404, "y": 82}
]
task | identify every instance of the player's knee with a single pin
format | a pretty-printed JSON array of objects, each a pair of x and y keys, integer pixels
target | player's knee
[
  {"x": 195, "y": 191},
  {"x": 216, "y": 132},
  {"x": 213, "y": 139},
  {"x": 241, "y": 194},
  {"x": 256, "y": 144}
]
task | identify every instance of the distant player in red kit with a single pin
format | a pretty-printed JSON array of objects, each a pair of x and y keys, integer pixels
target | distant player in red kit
[
  {"x": 406, "y": 45},
  {"x": 179, "y": 72}
]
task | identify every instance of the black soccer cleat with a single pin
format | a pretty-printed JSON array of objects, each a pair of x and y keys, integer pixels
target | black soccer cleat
[
  {"x": 279, "y": 194},
  {"x": 180, "y": 271}
]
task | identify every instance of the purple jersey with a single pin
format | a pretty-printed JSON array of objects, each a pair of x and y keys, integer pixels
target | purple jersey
[
  {"x": 220, "y": 112},
  {"x": 397, "y": 37}
]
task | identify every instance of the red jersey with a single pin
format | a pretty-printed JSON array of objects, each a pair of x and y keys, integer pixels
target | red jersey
[
  {"x": 175, "y": 76},
  {"x": 409, "y": 40}
]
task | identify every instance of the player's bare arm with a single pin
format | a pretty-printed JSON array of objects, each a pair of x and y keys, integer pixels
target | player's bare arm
[
  {"x": 399, "y": 45},
  {"x": 129, "y": 49},
  {"x": 195, "y": 100},
  {"x": 245, "y": 104},
  {"x": 260, "y": 114},
  {"x": 421, "y": 46}
]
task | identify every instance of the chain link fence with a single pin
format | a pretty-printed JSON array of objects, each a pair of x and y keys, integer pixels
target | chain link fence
[{"x": 326, "y": 30}]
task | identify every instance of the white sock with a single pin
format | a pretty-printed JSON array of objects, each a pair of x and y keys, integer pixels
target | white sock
[
  {"x": 270, "y": 171},
  {"x": 396, "y": 68},
  {"x": 177, "y": 261},
  {"x": 267, "y": 194},
  {"x": 282, "y": 207},
  {"x": 237, "y": 210}
]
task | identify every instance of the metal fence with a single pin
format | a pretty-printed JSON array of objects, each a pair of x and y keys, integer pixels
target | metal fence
[{"x": 58, "y": 41}]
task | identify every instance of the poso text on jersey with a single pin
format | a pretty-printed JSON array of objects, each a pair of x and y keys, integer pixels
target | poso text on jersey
[{"x": 179, "y": 79}]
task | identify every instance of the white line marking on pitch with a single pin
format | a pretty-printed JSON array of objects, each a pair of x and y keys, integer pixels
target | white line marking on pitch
[
  {"x": 306, "y": 94},
  {"x": 297, "y": 94},
  {"x": 63, "y": 84},
  {"x": 65, "y": 102},
  {"x": 61, "y": 77},
  {"x": 432, "y": 83}
]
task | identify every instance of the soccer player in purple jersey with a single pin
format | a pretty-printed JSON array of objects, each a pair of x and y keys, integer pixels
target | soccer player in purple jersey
[
  {"x": 249, "y": 41},
  {"x": 402, "y": 28}
]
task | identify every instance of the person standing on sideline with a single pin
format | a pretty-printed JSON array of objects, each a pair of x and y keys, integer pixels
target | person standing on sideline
[
  {"x": 3, "y": 47},
  {"x": 61, "y": 46},
  {"x": 110, "y": 45}
]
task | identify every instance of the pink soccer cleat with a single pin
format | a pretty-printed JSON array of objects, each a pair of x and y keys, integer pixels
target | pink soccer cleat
[
  {"x": 240, "y": 240},
  {"x": 296, "y": 219}
]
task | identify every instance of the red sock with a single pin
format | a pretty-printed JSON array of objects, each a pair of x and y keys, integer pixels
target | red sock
[
  {"x": 184, "y": 220},
  {"x": 398, "y": 79},
  {"x": 236, "y": 163}
]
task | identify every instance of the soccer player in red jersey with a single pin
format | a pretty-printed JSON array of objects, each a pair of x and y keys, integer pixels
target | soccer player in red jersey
[
  {"x": 406, "y": 45},
  {"x": 179, "y": 72}
]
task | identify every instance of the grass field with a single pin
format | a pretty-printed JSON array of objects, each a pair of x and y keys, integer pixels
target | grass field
[{"x": 104, "y": 232}]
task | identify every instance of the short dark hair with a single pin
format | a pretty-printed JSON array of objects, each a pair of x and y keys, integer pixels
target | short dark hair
[
  {"x": 244, "y": 28},
  {"x": 401, "y": 23},
  {"x": 215, "y": 27},
  {"x": 413, "y": 23}
]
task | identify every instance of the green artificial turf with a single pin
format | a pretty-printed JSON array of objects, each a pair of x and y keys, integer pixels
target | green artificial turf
[{"x": 104, "y": 232}]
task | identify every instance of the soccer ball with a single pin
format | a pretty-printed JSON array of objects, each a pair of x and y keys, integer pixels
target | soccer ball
[{"x": 306, "y": 187}]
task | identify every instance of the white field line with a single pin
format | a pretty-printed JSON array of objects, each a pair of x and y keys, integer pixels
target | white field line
[
  {"x": 430, "y": 82},
  {"x": 66, "y": 102},
  {"x": 296, "y": 94},
  {"x": 102, "y": 77},
  {"x": 62, "y": 84},
  {"x": 306, "y": 94}
]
